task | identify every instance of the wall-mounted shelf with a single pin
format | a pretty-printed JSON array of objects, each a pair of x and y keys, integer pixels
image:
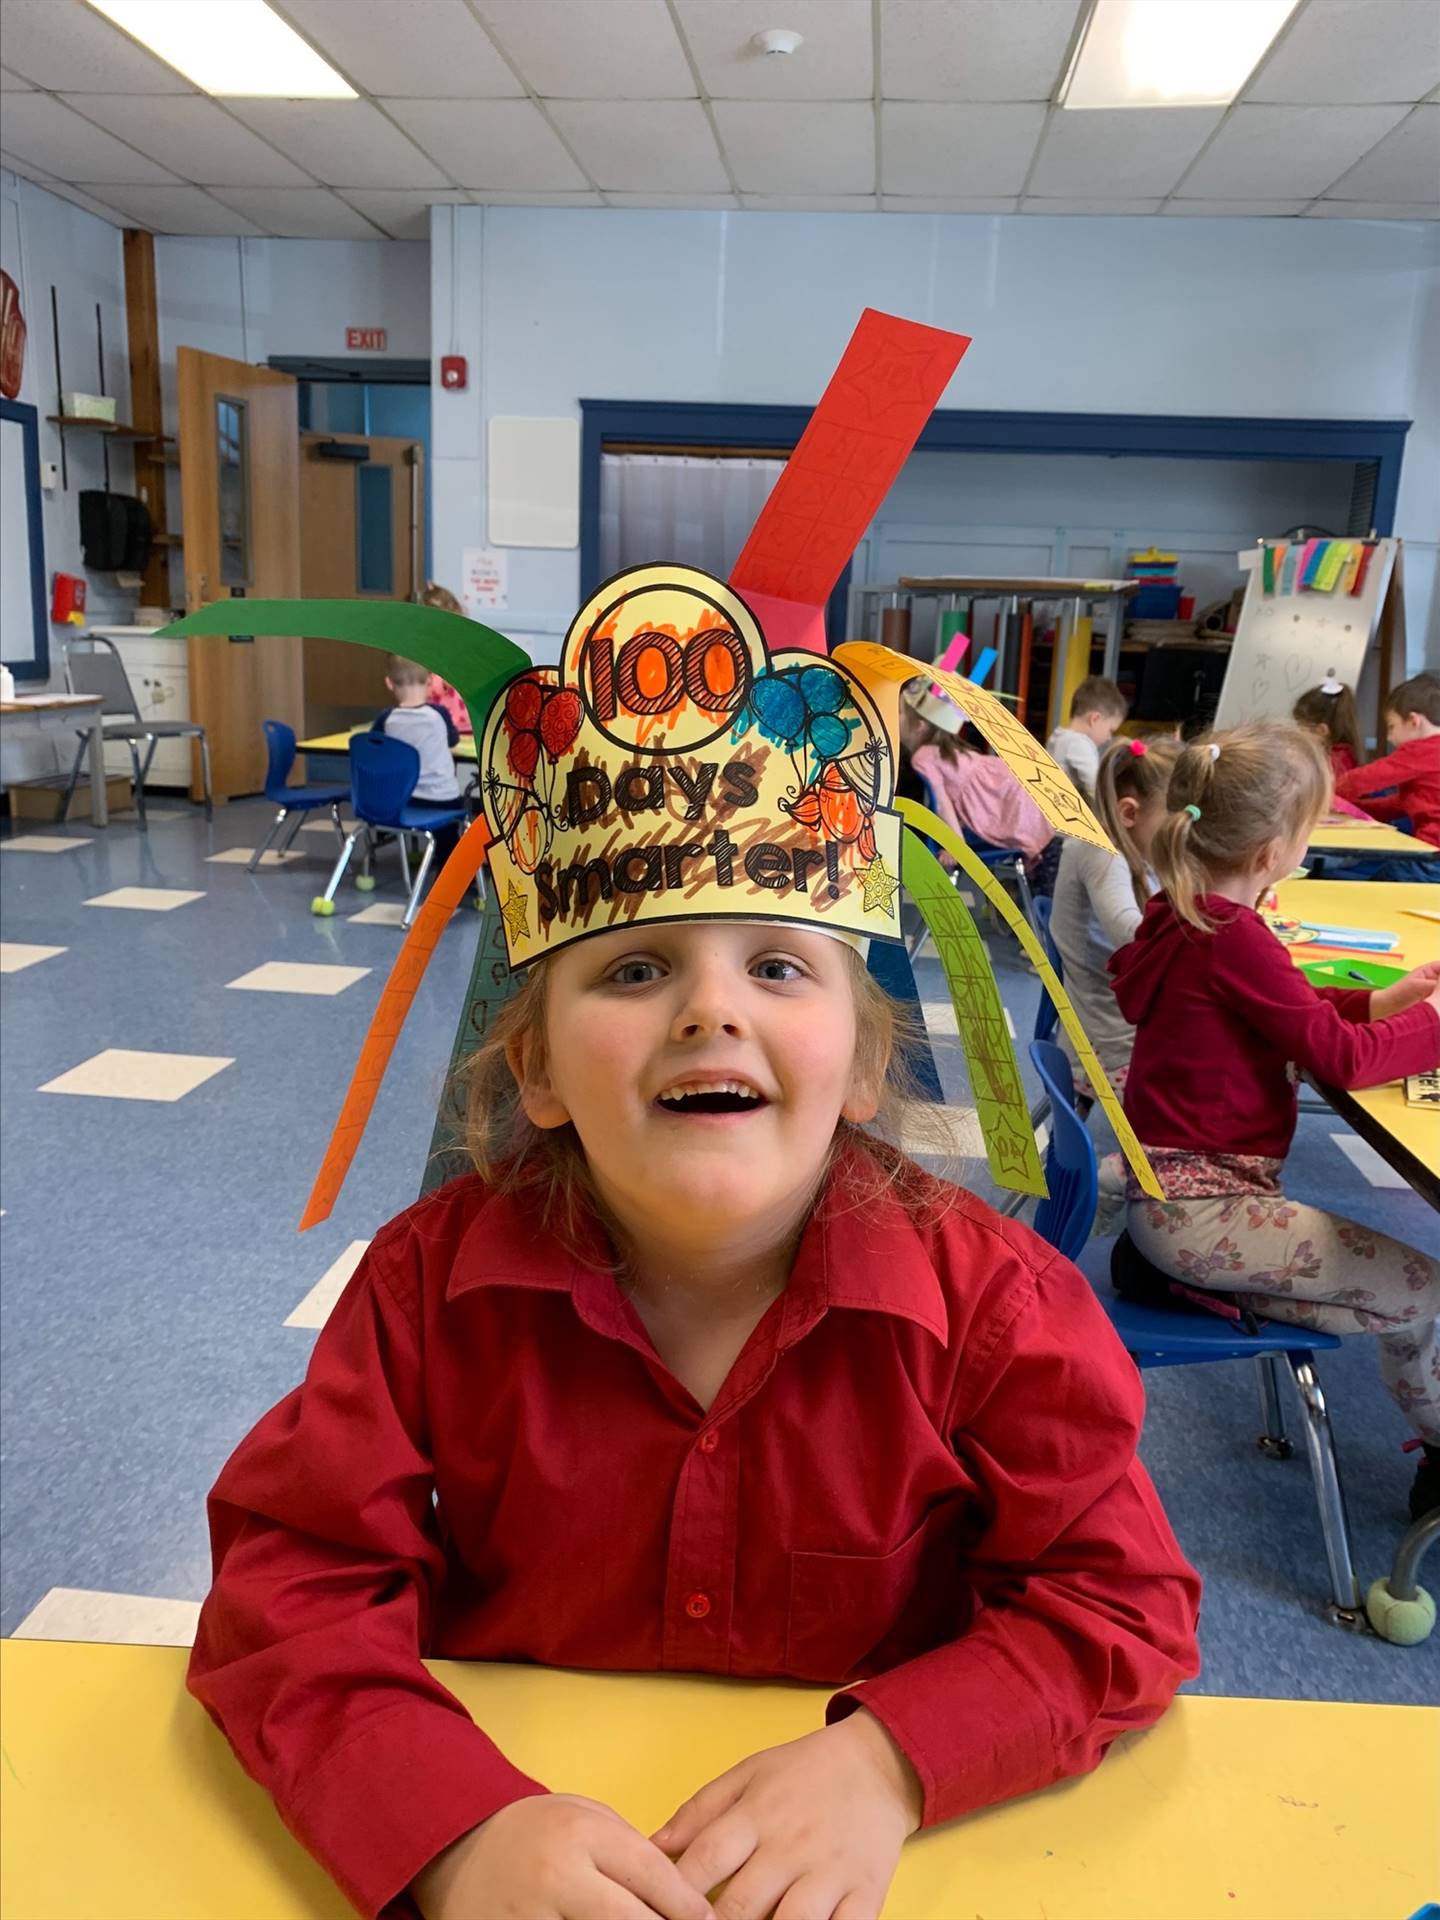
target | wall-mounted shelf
[
  {"x": 167, "y": 540},
  {"x": 77, "y": 423}
]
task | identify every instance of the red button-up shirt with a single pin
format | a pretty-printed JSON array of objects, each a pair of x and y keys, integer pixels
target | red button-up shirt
[
  {"x": 1406, "y": 781},
  {"x": 919, "y": 1475}
]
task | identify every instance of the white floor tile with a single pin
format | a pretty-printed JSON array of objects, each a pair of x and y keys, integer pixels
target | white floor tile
[
  {"x": 146, "y": 899},
  {"x": 314, "y": 1309},
  {"x": 240, "y": 856},
  {"x": 40, "y": 843},
  {"x": 298, "y": 976},
  {"x": 939, "y": 1016},
  {"x": 385, "y": 913},
  {"x": 122, "y": 1619},
  {"x": 119, "y": 1074},
  {"x": 1363, "y": 1157},
  {"x": 1009, "y": 1022},
  {"x": 16, "y": 955},
  {"x": 323, "y": 824}
]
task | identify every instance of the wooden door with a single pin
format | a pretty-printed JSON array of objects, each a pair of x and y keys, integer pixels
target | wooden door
[
  {"x": 240, "y": 487},
  {"x": 362, "y": 536}
]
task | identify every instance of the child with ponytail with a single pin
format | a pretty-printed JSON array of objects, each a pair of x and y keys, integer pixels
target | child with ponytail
[
  {"x": 1328, "y": 711},
  {"x": 1221, "y": 1013}
]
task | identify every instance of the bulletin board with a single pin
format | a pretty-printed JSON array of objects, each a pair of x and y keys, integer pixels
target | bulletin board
[
  {"x": 24, "y": 630},
  {"x": 1312, "y": 612}
]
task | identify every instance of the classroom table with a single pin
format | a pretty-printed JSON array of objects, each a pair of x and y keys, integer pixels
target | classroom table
[
  {"x": 121, "y": 1799},
  {"x": 1360, "y": 838},
  {"x": 464, "y": 749},
  {"x": 1407, "y": 1137},
  {"x": 59, "y": 716}
]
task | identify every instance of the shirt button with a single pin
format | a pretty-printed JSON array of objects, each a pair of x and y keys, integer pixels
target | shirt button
[
  {"x": 697, "y": 1606},
  {"x": 708, "y": 1441}
]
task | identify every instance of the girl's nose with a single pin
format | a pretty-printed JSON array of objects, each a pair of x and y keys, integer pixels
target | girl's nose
[{"x": 709, "y": 1002}]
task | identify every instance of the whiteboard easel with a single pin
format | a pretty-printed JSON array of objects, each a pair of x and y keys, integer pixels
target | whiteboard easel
[{"x": 1286, "y": 643}]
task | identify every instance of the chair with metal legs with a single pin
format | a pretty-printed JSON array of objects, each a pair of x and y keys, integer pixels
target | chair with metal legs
[
  {"x": 93, "y": 665},
  {"x": 297, "y": 801},
  {"x": 383, "y": 773},
  {"x": 1006, "y": 863}
]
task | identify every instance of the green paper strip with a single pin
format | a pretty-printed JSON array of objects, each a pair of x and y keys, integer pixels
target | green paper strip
[
  {"x": 1000, "y": 1102},
  {"x": 1267, "y": 557},
  {"x": 491, "y": 985},
  {"x": 475, "y": 659}
]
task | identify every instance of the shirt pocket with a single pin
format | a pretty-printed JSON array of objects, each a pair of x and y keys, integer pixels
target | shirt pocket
[{"x": 854, "y": 1614}]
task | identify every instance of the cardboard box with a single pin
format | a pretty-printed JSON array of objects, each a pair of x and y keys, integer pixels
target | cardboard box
[{"x": 40, "y": 799}]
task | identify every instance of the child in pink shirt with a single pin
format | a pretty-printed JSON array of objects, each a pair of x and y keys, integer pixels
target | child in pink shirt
[{"x": 976, "y": 790}]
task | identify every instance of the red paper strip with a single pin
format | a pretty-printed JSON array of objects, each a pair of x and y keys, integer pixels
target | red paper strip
[{"x": 885, "y": 388}]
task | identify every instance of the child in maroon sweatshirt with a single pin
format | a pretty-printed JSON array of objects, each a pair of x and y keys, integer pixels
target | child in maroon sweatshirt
[{"x": 1222, "y": 1015}]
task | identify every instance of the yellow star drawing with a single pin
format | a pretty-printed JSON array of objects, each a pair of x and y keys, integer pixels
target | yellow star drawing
[
  {"x": 515, "y": 914},
  {"x": 880, "y": 886}
]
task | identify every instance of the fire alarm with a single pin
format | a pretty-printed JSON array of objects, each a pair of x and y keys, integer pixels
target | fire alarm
[{"x": 453, "y": 372}]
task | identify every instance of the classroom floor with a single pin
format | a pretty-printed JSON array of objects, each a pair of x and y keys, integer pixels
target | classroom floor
[{"x": 156, "y": 1297}]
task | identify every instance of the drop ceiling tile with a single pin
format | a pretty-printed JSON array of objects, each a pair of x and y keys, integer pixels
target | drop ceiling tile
[
  {"x": 1236, "y": 209},
  {"x": 983, "y": 50},
  {"x": 193, "y": 137},
  {"x": 26, "y": 169},
  {"x": 297, "y": 213},
  {"x": 443, "y": 53},
  {"x": 623, "y": 50},
  {"x": 1352, "y": 52},
  {"x": 957, "y": 150},
  {"x": 810, "y": 202},
  {"x": 1374, "y": 210},
  {"x": 828, "y": 148},
  {"x": 1286, "y": 150},
  {"x": 664, "y": 146},
  {"x": 176, "y": 210},
  {"x": 345, "y": 143},
  {"x": 1063, "y": 204},
  {"x": 43, "y": 130},
  {"x": 1404, "y": 166},
  {"x": 836, "y": 61},
  {"x": 65, "y": 44},
  {"x": 79, "y": 198},
  {"x": 702, "y": 202},
  {"x": 490, "y": 143},
  {"x": 501, "y": 197},
  {"x": 1124, "y": 152},
  {"x": 12, "y": 83},
  {"x": 403, "y": 213},
  {"x": 930, "y": 203}
]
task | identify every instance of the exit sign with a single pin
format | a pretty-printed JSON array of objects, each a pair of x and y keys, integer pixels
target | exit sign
[{"x": 365, "y": 339}]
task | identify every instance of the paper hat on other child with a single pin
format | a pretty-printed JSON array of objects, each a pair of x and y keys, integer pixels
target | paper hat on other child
[
  {"x": 934, "y": 708},
  {"x": 698, "y": 754}
]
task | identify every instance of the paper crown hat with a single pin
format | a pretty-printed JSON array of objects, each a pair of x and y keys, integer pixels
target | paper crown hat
[{"x": 697, "y": 753}]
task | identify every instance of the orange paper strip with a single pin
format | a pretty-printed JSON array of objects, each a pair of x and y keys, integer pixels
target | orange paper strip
[{"x": 408, "y": 971}]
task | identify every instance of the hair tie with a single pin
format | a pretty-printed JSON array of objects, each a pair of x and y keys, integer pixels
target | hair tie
[
  {"x": 1214, "y": 751},
  {"x": 1332, "y": 687},
  {"x": 1138, "y": 748},
  {"x": 1194, "y": 812}
]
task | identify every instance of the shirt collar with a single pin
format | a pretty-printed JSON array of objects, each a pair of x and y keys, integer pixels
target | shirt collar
[{"x": 861, "y": 1250}]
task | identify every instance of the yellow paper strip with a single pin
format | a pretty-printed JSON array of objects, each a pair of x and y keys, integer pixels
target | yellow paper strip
[
  {"x": 1000, "y": 1102},
  {"x": 1052, "y": 790},
  {"x": 446, "y": 893},
  {"x": 933, "y": 828}
]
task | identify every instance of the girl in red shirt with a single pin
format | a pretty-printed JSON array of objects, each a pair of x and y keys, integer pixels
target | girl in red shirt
[
  {"x": 692, "y": 1373},
  {"x": 1222, "y": 1015}
]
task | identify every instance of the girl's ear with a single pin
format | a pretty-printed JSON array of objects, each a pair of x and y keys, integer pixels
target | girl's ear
[
  {"x": 542, "y": 1105},
  {"x": 1128, "y": 809},
  {"x": 862, "y": 1103}
]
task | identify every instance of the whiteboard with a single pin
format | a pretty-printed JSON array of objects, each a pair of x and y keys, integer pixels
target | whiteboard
[
  {"x": 534, "y": 482},
  {"x": 1288, "y": 642},
  {"x": 17, "y": 581}
]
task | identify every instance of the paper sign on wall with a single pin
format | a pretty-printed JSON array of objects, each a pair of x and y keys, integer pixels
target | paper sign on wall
[{"x": 485, "y": 580}]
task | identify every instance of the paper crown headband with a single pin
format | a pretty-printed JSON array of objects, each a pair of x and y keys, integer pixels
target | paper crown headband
[{"x": 697, "y": 753}]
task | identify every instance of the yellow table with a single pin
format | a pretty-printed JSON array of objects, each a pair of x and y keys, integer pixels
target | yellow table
[
  {"x": 1406, "y": 1136},
  {"x": 1344, "y": 835},
  {"x": 340, "y": 743},
  {"x": 121, "y": 1800}
]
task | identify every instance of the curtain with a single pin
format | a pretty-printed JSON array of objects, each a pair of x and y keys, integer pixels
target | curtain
[{"x": 663, "y": 506}]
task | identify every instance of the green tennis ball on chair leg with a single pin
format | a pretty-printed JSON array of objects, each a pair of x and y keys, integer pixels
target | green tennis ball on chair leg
[
  {"x": 323, "y": 907},
  {"x": 1404, "y": 1623},
  {"x": 365, "y": 882}
]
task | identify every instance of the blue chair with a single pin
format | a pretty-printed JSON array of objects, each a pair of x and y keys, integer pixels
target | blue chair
[
  {"x": 1046, "y": 1017},
  {"x": 1179, "y": 1336},
  {"x": 300, "y": 801},
  {"x": 383, "y": 773}
]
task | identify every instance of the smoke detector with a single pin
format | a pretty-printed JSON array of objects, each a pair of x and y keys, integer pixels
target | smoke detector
[{"x": 777, "y": 40}]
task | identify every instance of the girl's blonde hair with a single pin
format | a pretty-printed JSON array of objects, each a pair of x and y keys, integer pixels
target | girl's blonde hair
[
  {"x": 1137, "y": 770},
  {"x": 1333, "y": 711},
  {"x": 435, "y": 596},
  {"x": 548, "y": 1165},
  {"x": 1229, "y": 793}
]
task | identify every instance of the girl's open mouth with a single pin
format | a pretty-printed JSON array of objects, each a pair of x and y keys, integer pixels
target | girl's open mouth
[{"x": 711, "y": 1097}]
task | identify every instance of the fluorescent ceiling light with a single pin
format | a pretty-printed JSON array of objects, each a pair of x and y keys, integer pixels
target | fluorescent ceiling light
[
  {"x": 1170, "y": 53},
  {"x": 229, "y": 47}
]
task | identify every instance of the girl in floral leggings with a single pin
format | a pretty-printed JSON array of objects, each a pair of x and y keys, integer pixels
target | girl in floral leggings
[{"x": 1223, "y": 1018}]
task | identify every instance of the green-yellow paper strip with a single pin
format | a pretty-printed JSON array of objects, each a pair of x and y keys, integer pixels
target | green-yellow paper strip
[
  {"x": 475, "y": 659},
  {"x": 933, "y": 828},
  {"x": 1000, "y": 1102}
]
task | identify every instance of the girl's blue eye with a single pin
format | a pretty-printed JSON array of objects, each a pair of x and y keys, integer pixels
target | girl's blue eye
[
  {"x": 635, "y": 973},
  {"x": 775, "y": 968}
]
